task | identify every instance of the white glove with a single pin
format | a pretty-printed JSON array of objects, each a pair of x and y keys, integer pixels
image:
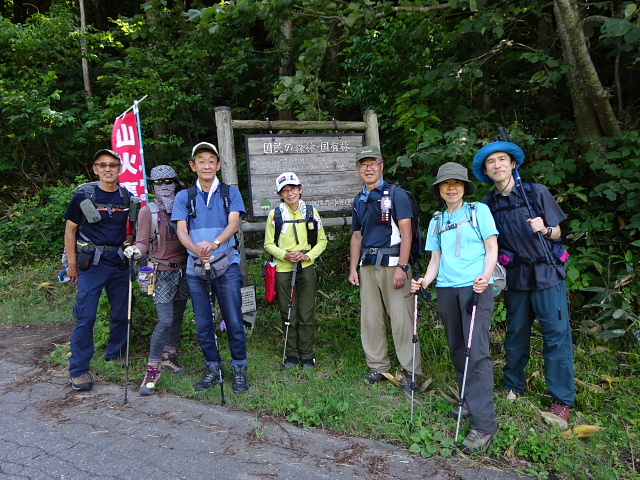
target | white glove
[{"x": 132, "y": 251}]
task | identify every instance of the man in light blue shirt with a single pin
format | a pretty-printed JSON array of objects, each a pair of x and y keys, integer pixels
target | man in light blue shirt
[{"x": 208, "y": 216}]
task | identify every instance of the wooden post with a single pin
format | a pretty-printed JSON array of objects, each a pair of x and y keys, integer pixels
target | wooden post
[
  {"x": 226, "y": 145},
  {"x": 230, "y": 171},
  {"x": 371, "y": 135}
]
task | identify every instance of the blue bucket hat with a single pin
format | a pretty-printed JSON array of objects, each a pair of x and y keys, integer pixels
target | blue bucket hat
[{"x": 507, "y": 147}]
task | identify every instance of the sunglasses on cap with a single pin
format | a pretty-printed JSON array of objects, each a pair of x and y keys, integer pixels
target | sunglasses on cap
[{"x": 165, "y": 181}]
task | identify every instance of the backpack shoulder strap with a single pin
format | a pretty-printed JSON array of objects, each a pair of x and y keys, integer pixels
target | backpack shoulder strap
[
  {"x": 277, "y": 217},
  {"x": 473, "y": 215},
  {"x": 154, "y": 233},
  {"x": 224, "y": 193},
  {"x": 437, "y": 216},
  {"x": 191, "y": 202},
  {"x": 126, "y": 196},
  {"x": 312, "y": 226}
]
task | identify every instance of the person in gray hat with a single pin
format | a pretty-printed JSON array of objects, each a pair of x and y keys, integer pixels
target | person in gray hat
[
  {"x": 381, "y": 247},
  {"x": 157, "y": 238},
  {"x": 464, "y": 250},
  {"x": 528, "y": 219}
]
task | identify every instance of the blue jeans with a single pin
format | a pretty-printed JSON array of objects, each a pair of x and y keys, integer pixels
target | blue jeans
[
  {"x": 550, "y": 306},
  {"x": 90, "y": 284},
  {"x": 227, "y": 290}
]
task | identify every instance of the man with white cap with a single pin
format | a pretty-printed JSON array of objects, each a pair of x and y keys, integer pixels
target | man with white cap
[
  {"x": 530, "y": 249},
  {"x": 207, "y": 221},
  {"x": 298, "y": 243}
]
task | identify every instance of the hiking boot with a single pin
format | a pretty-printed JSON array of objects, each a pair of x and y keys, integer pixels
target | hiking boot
[
  {"x": 559, "y": 409},
  {"x": 290, "y": 361},
  {"x": 170, "y": 363},
  {"x": 464, "y": 413},
  {"x": 374, "y": 376},
  {"x": 152, "y": 376},
  {"x": 476, "y": 442},
  {"x": 406, "y": 382},
  {"x": 239, "y": 373},
  {"x": 82, "y": 383},
  {"x": 214, "y": 377},
  {"x": 308, "y": 363}
]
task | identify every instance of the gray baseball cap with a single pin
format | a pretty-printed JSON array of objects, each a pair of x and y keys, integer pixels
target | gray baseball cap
[{"x": 369, "y": 151}]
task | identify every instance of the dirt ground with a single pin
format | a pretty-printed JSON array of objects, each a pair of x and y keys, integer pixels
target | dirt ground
[{"x": 26, "y": 344}]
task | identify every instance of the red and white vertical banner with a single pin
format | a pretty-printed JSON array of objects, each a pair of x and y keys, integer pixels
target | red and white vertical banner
[{"x": 126, "y": 140}]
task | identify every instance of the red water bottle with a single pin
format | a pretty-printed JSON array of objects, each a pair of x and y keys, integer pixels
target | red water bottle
[{"x": 385, "y": 207}]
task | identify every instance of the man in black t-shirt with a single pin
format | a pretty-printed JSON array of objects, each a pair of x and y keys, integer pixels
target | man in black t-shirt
[{"x": 96, "y": 261}]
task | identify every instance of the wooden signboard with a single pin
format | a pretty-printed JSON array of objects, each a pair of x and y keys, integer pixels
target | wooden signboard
[{"x": 324, "y": 163}]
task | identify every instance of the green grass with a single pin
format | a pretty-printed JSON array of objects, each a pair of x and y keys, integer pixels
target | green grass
[{"x": 333, "y": 397}]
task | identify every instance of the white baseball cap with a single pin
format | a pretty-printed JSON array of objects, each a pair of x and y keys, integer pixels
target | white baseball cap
[
  {"x": 287, "y": 178},
  {"x": 204, "y": 146}
]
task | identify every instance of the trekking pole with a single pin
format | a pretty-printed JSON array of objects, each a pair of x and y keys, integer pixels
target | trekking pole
[
  {"x": 414, "y": 339},
  {"x": 427, "y": 296},
  {"x": 288, "y": 322},
  {"x": 132, "y": 275},
  {"x": 212, "y": 301},
  {"x": 474, "y": 306},
  {"x": 518, "y": 179}
]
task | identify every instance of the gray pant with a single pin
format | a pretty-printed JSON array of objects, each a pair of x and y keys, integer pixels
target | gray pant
[
  {"x": 168, "y": 329},
  {"x": 452, "y": 308}
]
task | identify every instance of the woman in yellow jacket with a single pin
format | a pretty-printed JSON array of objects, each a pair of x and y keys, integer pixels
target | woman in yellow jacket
[{"x": 299, "y": 243}]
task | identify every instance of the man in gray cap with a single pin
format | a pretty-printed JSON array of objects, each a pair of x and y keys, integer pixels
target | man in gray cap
[
  {"x": 528, "y": 219},
  {"x": 95, "y": 232},
  {"x": 381, "y": 246}
]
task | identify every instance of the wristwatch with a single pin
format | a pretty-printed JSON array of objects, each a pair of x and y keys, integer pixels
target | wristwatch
[
  {"x": 549, "y": 232},
  {"x": 404, "y": 268},
  {"x": 217, "y": 242}
]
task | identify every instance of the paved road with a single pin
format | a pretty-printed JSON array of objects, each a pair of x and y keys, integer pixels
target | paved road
[{"x": 49, "y": 431}]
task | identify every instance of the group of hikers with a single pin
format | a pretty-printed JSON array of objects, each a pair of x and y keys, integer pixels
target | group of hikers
[{"x": 188, "y": 236}]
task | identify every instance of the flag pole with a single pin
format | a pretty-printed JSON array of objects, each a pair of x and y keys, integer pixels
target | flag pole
[
  {"x": 136, "y": 110},
  {"x": 135, "y": 102}
]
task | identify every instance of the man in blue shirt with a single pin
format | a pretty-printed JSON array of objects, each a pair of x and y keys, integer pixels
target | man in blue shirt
[
  {"x": 206, "y": 228},
  {"x": 96, "y": 262},
  {"x": 530, "y": 249},
  {"x": 382, "y": 248}
]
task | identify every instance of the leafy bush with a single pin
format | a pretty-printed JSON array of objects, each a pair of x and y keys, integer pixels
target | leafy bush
[{"x": 33, "y": 227}]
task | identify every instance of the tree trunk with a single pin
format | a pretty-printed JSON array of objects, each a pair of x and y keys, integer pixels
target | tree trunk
[
  {"x": 83, "y": 49},
  {"x": 286, "y": 64},
  {"x": 591, "y": 105}
]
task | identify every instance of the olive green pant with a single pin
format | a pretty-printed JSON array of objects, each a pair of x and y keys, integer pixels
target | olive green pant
[{"x": 302, "y": 326}]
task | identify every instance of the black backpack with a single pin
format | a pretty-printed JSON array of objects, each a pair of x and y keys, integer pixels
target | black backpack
[
  {"x": 309, "y": 221},
  {"x": 417, "y": 241}
]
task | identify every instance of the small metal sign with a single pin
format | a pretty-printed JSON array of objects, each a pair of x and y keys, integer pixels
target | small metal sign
[
  {"x": 249, "y": 299},
  {"x": 325, "y": 164}
]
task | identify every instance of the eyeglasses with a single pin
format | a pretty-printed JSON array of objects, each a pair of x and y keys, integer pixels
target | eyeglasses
[
  {"x": 365, "y": 165},
  {"x": 165, "y": 181},
  {"x": 107, "y": 165},
  {"x": 286, "y": 191}
]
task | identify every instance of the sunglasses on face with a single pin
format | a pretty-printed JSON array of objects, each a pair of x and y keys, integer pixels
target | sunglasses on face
[
  {"x": 165, "y": 181},
  {"x": 107, "y": 165}
]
